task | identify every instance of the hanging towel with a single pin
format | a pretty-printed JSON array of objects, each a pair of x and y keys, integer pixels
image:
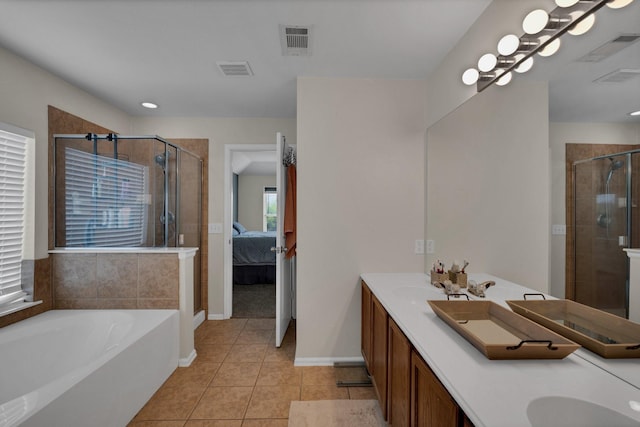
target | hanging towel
[{"x": 290, "y": 213}]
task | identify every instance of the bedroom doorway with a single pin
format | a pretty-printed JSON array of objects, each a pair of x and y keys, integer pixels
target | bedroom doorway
[{"x": 252, "y": 205}]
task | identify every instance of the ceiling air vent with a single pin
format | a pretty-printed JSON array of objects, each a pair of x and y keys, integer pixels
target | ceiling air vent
[
  {"x": 610, "y": 48},
  {"x": 235, "y": 69},
  {"x": 295, "y": 40},
  {"x": 619, "y": 76}
]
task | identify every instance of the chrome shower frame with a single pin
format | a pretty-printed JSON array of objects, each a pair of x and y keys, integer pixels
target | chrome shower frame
[{"x": 94, "y": 138}]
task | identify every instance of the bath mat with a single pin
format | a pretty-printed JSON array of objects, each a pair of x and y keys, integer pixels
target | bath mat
[{"x": 336, "y": 413}]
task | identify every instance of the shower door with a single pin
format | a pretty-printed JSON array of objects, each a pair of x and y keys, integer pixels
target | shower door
[{"x": 602, "y": 230}]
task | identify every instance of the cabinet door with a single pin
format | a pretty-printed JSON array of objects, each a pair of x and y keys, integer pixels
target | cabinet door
[
  {"x": 366, "y": 328},
  {"x": 379, "y": 352},
  {"x": 431, "y": 404},
  {"x": 399, "y": 377}
]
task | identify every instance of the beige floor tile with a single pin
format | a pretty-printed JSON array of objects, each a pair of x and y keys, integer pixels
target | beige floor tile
[
  {"x": 267, "y": 324},
  {"x": 272, "y": 401},
  {"x": 156, "y": 424},
  {"x": 318, "y": 375},
  {"x": 266, "y": 423},
  {"x": 200, "y": 373},
  {"x": 279, "y": 373},
  {"x": 282, "y": 354},
  {"x": 236, "y": 374},
  {"x": 323, "y": 392},
  {"x": 212, "y": 352},
  {"x": 171, "y": 403},
  {"x": 223, "y": 403},
  {"x": 219, "y": 337},
  {"x": 213, "y": 423},
  {"x": 256, "y": 336},
  {"x": 365, "y": 393},
  {"x": 247, "y": 353}
]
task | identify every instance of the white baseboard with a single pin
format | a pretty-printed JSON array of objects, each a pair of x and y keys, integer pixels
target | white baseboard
[
  {"x": 325, "y": 361},
  {"x": 198, "y": 318},
  {"x": 213, "y": 316},
  {"x": 183, "y": 362}
]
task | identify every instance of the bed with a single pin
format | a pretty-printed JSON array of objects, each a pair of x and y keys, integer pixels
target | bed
[{"x": 253, "y": 260}]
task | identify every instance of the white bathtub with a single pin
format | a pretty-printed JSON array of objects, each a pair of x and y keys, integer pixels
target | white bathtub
[{"x": 84, "y": 368}]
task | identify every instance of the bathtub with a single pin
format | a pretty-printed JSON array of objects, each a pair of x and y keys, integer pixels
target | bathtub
[{"x": 84, "y": 367}]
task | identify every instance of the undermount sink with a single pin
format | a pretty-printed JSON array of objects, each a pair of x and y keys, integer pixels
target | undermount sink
[
  {"x": 566, "y": 411},
  {"x": 419, "y": 294}
]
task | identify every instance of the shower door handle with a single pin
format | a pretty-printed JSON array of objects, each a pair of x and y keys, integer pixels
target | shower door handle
[{"x": 279, "y": 249}]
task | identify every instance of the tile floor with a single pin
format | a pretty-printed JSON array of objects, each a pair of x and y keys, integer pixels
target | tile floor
[{"x": 240, "y": 379}]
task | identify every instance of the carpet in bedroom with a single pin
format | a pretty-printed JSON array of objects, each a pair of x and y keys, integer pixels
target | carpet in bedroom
[
  {"x": 335, "y": 413},
  {"x": 254, "y": 301}
]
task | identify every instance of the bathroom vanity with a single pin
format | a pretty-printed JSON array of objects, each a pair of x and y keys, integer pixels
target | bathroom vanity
[{"x": 425, "y": 373}]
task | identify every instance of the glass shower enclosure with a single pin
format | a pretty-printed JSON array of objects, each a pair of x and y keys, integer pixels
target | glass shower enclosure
[
  {"x": 127, "y": 191},
  {"x": 606, "y": 222}
]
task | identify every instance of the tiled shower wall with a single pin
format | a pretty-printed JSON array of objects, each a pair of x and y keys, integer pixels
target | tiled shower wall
[
  {"x": 586, "y": 282},
  {"x": 115, "y": 281}
]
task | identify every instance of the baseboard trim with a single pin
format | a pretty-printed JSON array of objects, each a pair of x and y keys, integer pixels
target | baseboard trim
[
  {"x": 325, "y": 361},
  {"x": 198, "y": 318},
  {"x": 213, "y": 316},
  {"x": 184, "y": 362}
]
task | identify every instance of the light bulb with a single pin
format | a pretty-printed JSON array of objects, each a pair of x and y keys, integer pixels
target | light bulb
[
  {"x": 582, "y": 26},
  {"x": 470, "y": 76},
  {"x": 149, "y": 105},
  {"x": 487, "y": 62},
  {"x": 551, "y": 48},
  {"x": 635, "y": 113},
  {"x": 504, "y": 80},
  {"x": 535, "y": 21},
  {"x": 508, "y": 44},
  {"x": 566, "y": 3},
  {"x": 618, "y": 4},
  {"x": 525, "y": 65}
]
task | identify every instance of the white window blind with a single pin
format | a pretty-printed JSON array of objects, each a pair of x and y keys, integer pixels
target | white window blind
[
  {"x": 13, "y": 152},
  {"x": 105, "y": 200}
]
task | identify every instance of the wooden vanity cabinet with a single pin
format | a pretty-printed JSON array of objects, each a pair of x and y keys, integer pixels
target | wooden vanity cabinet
[
  {"x": 366, "y": 327},
  {"x": 408, "y": 391},
  {"x": 431, "y": 404},
  {"x": 380, "y": 326},
  {"x": 398, "y": 377}
]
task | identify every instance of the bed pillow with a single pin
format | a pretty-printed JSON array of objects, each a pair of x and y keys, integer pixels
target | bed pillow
[{"x": 239, "y": 227}]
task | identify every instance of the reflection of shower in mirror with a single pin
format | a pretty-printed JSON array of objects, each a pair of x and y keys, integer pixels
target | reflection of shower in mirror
[{"x": 604, "y": 219}]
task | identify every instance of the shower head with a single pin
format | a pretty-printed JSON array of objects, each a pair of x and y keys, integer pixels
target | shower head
[
  {"x": 160, "y": 159},
  {"x": 614, "y": 165}
]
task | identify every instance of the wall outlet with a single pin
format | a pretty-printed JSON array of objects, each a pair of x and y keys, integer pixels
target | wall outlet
[
  {"x": 215, "y": 228},
  {"x": 431, "y": 246},
  {"x": 559, "y": 229},
  {"x": 419, "y": 249}
]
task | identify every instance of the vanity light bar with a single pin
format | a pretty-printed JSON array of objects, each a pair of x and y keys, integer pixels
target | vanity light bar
[{"x": 542, "y": 37}]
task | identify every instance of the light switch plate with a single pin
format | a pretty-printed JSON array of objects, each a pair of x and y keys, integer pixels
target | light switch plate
[
  {"x": 419, "y": 248},
  {"x": 559, "y": 229},
  {"x": 215, "y": 228}
]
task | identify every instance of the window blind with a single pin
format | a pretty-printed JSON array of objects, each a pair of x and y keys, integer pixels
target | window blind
[
  {"x": 13, "y": 152},
  {"x": 105, "y": 200}
]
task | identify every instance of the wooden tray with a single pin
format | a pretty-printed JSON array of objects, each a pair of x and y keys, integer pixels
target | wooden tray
[
  {"x": 499, "y": 333},
  {"x": 603, "y": 333}
]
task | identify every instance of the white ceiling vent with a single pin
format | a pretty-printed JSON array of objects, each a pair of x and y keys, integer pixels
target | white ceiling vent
[
  {"x": 235, "y": 69},
  {"x": 295, "y": 40},
  {"x": 609, "y": 48},
  {"x": 619, "y": 76}
]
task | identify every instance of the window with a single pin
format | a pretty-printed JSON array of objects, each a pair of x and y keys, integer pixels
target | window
[
  {"x": 104, "y": 200},
  {"x": 14, "y": 149},
  {"x": 269, "y": 209}
]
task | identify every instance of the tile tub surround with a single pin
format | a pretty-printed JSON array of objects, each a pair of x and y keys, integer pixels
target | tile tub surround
[
  {"x": 483, "y": 388},
  {"x": 128, "y": 278},
  {"x": 241, "y": 379}
]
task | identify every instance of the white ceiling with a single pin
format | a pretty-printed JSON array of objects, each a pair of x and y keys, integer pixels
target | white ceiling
[{"x": 165, "y": 51}]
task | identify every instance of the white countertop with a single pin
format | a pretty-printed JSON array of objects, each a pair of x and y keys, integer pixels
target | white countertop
[{"x": 495, "y": 393}]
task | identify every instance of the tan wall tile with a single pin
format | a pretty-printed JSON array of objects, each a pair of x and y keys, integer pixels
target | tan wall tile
[
  {"x": 119, "y": 304},
  {"x": 158, "y": 276},
  {"x": 117, "y": 275},
  {"x": 158, "y": 303},
  {"x": 78, "y": 304},
  {"x": 74, "y": 276}
]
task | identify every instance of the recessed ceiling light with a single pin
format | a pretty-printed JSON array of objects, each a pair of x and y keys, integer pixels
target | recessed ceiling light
[
  {"x": 635, "y": 113},
  {"x": 150, "y": 105}
]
